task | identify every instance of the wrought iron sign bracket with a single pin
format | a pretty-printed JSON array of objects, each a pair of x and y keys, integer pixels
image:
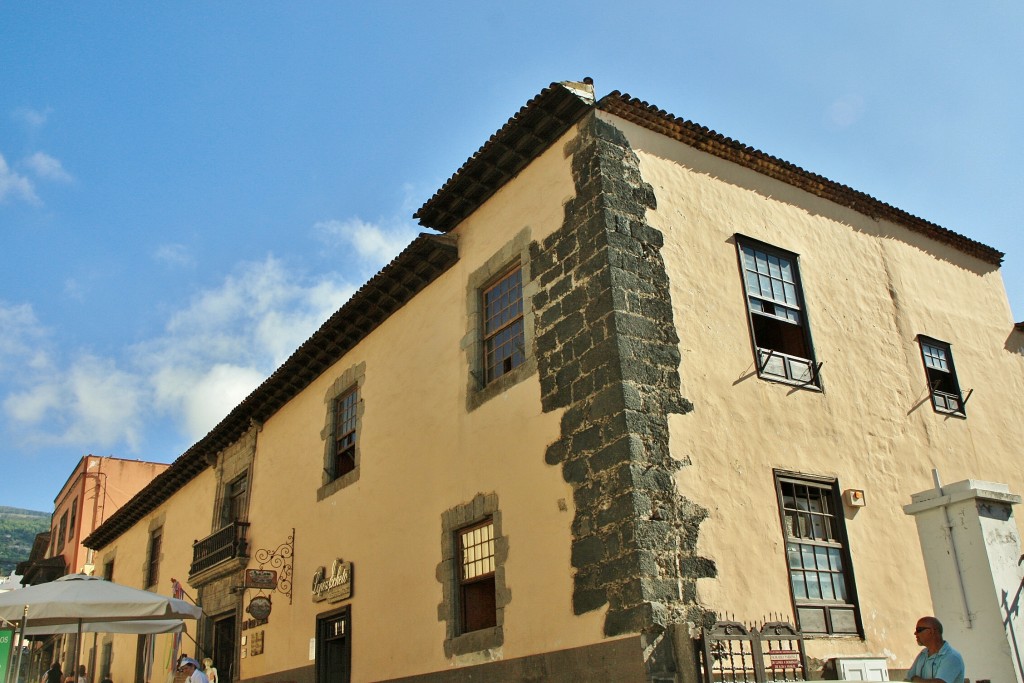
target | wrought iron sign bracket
[{"x": 281, "y": 560}]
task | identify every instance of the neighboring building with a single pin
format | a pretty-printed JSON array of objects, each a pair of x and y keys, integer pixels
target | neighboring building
[
  {"x": 645, "y": 378},
  {"x": 96, "y": 489}
]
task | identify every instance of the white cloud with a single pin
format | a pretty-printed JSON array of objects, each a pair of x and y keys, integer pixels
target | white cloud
[
  {"x": 92, "y": 402},
  {"x": 229, "y": 339},
  {"x": 211, "y": 355},
  {"x": 176, "y": 255},
  {"x": 33, "y": 118},
  {"x": 15, "y": 185},
  {"x": 22, "y": 338},
  {"x": 374, "y": 243},
  {"x": 47, "y": 167},
  {"x": 202, "y": 397}
]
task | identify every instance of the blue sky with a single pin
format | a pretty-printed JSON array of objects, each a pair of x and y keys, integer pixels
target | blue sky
[{"x": 187, "y": 190}]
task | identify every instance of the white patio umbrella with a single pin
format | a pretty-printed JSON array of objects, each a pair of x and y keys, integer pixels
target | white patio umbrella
[
  {"x": 78, "y": 600},
  {"x": 141, "y": 627}
]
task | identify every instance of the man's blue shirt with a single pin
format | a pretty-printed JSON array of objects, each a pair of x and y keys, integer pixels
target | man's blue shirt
[{"x": 946, "y": 664}]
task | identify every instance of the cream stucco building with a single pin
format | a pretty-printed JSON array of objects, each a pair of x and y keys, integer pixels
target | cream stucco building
[{"x": 643, "y": 377}]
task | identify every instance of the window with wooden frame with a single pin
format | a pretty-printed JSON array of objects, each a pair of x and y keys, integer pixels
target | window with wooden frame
[
  {"x": 153, "y": 557},
  {"x": 778, "y": 317},
  {"x": 941, "y": 375},
  {"x": 477, "y": 604},
  {"x": 62, "y": 531},
  {"x": 504, "y": 343},
  {"x": 345, "y": 413},
  {"x": 74, "y": 515},
  {"x": 235, "y": 498},
  {"x": 108, "y": 570},
  {"x": 817, "y": 554}
]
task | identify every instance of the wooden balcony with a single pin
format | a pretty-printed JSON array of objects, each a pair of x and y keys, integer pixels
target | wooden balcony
[{"x": 222, "y": 546}]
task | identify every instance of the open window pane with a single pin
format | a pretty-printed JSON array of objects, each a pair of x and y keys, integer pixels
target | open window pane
[
  {"x": 941, "y": 376},
  {"x": 777, "y": 319}
]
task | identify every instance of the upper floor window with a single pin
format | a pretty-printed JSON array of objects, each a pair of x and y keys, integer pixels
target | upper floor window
[
  {"x": 235, "y": 500},
  {"x": 345, "y": 422},
  {"x": 941, "y": 374},
  {"x": 62, "y": 532},
  {"x": 74, "y": 514},
  {"x": 108, "y": 570},
  {"x": 153, "y": 557},
  {"x": 504, "y": 345},
  {"x": 342, "y": 431},
  {"x": 778, "y": 319},
  {"x": 821, "y": 578}
]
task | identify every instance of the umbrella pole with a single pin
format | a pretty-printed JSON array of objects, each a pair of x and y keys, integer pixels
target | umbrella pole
[
  {"x": 21, "y": 645},
  {"x": 78, "y": 650}
]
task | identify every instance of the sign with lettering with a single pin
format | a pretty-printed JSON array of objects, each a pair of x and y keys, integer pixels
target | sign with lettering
[
  {"x": 334, "y": 586},
  {"x": 265, "y": 579},
  {"x": 6, "y": 638},
  {"x": 784, "y": 659}
]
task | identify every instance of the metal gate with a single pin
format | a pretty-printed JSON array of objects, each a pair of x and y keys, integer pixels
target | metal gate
[{"x": 733, "y": 653}]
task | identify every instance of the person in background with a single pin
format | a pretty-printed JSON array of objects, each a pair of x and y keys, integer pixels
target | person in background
[
  {"x": 81, "y": 674},
  {"x": 210, "y": 670},
  {"x": 937, "y": 662},
  {"x": 192, "y": 672},
  {"x": 54, "y": 674}
]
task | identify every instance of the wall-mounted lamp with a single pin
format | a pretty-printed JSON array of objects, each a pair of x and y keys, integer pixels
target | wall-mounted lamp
[{"x": 854, "y": 498}]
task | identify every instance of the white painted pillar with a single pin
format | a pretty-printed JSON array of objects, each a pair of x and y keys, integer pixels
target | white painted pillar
[{"x": 971, "y": 548}]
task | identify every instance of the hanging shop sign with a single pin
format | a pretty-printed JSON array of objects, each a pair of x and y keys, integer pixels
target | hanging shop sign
[
  {"x": 334, "y": 586},
  {"x": 259, "y": 607},
  {"x": 264, "y": 579}
]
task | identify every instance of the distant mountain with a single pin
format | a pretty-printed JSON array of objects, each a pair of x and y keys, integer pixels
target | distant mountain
[{"x": 18, "y": 529}]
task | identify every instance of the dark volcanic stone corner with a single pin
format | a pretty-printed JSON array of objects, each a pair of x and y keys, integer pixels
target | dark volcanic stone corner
[{"x": 608, "y": 354}]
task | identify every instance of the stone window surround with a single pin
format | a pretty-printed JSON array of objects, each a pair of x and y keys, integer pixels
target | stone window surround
[
  {"x": 517, "y": 250},
  {"x": 354, "y": 376},
  {"x": 480, "y": 508}
]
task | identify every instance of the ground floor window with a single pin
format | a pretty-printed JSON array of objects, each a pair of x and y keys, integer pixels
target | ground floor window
[
  {"x": 817, "y": 554},
  {"x": 334, "y": 647},
  {"x": 476, "y": 577},
  {"x": 472, "y": 575}
]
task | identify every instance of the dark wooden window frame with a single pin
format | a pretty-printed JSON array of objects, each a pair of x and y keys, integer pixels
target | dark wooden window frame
[
  {"x": 74, "y": 517},
  {"x": 345, "y": 408},
  {"x": 236, "y": 494},
  {"x": 838, "y": 541},
  {"x": 504, "y": 336},
  {"x": 153, "y": 556},
  {"x": 62, "y": 532},
  {"x": 780, "y": 329},
  {"x": 476, "y": 595},
  {"x": 943, "y": 384}
]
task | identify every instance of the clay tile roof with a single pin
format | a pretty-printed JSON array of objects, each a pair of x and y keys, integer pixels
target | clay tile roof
[
  {"x": 423, "y": 261},
  {"x": 706, "y": 140},
  {"x": 526, "y": 135}
]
